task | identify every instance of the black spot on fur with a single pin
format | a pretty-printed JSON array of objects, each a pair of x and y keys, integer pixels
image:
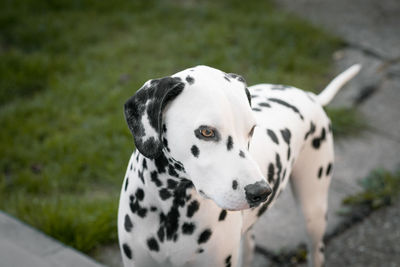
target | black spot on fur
[
  {"x": 329, "y": 169},
  {"x": 275, "y": 188},
  {"x": 256, "y": 109},
  {"x": 128, "y": 223},
  {"x": 271, "y": 173},
  {"x": 154, "y": 178},
  {"x": 153, "y": 208},
  {"x": 229, "y": 143},
  {"x": 144, "y": 164},
  {"x": 165, "y": 194},
  {"x": 310, "y": 131},
  {"x": 285, "y": 104},
  {"x": 320, "y": 172},
  {"x": 153, "y": 244},
  {"x": 136, "y": 208},
  {"x": 188, "y": 228},
  {"x": 204, "y": 236},
  {"x": 161, "y": 234},
  {"x": 234, "y": 184},
  {"x": 142, "y": 212},
  {"x": 172, "y": 184},
  {"x": 161, "y": 163},
  {"x": 264, "y": 105},
  {"x": 172, "y": 171},
  {"x": 192, "y": 208},
  {"x": 200, "y": 250},
  {"x": 226, "y": 78},
  {"x": 127, "y": 250},
  {"x": 175, "y": 238},
  {"x": 190, "y": 79},
  {"x": 288, "y": 153},
  {"x": 140, "y": 175},
  {"x": 222, "y": 215},
  {"x": 248, "y": 95},
  {"x": 165, "y": 142},
  {"x": 126, "y": 182},
  {"x": 139, "y": 194},
  {"x": 286, "y": 135},
  {"x": 273, "y": 136},
  {"x": 241, "y": 154},
  {"x": 195, "y": 151},
  {"x": 316, "y": 142},
  {"x": 178, "y": 166},
  {"x": 228, "y": 261},
  {"x": 278, "y": 164},
  {"x": 323, "y": 134}
]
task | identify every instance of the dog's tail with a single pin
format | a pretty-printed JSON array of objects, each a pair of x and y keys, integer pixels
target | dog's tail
[{"x": 326, "y": 96}]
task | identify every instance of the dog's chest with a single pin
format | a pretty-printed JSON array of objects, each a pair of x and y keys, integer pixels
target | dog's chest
[{"x": 167, "y": 221}]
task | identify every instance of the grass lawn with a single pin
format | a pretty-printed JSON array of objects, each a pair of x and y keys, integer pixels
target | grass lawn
[{"x": 67, "y": 67}]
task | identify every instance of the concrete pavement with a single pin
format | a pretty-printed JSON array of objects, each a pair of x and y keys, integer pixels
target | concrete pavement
[{"x": 23, "y": 246}]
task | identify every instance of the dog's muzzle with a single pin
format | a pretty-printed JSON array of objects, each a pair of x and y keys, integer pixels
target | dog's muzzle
[{"x": 257, "y": 193}]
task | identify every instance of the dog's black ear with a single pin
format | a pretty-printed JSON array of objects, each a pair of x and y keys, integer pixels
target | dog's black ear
[{"x": 143, "y": 113}]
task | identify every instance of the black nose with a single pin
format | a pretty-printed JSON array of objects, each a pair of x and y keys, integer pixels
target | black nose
[{"x": 257, "y": 192}]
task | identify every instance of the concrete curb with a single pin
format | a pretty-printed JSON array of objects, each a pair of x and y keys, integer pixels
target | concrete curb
[{"x": 21, "y": 245}]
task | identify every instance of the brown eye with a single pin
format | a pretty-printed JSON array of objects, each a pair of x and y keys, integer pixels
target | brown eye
[{"x": 207, "y": 132}]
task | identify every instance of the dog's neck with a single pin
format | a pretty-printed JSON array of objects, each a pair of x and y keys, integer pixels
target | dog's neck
[
  {"x": 167, "y": 176},
  {"x": 172, "y": 190}
]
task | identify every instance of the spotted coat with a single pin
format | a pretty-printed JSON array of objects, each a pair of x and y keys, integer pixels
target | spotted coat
[{"x": 212, "y": 156}]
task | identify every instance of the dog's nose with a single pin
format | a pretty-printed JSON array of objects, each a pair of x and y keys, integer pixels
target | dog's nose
[{"x": 257, "y": 192}]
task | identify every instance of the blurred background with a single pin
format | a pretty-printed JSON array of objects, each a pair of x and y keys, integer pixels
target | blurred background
[{"x": 67, "y": 67}]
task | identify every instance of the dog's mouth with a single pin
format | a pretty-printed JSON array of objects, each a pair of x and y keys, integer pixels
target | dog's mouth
[{"x": 259, "y": 202}]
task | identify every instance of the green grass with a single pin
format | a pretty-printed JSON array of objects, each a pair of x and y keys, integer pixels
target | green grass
[
  {"x": 346, "y": 121},
  {"x": 67, "y": 67},
  {"x": 380, "y": 188}
]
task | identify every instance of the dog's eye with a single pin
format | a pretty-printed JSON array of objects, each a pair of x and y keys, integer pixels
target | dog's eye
[{"x": 207, "y": 132}]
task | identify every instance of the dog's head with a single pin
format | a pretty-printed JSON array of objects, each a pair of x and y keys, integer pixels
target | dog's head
[{"x": 202, "y": 118}]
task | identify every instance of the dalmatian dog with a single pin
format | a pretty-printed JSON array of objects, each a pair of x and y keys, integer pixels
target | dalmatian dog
[{"x": 212, "y": 156}]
